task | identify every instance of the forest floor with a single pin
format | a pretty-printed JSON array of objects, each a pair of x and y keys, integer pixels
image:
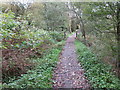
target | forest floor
[{"x": 69, "y": 73}]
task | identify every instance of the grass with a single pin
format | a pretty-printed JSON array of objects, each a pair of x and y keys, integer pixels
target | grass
[
  {"x": 98, "y": 73},
  {"x": 41, "y": 75}
]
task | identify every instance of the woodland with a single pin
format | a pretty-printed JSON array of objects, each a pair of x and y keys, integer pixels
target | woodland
[{"x": 35, "y": 39}]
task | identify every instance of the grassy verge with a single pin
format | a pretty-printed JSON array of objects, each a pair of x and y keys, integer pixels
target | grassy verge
[
  {"x": 41, "y": 75},
  {"x": 97, "y": 72}
]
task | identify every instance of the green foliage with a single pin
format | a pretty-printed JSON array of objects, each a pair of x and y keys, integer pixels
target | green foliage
[
  {"x": 58, "y": 36},
  {"x": 35, "y": 37},
  {"x": 97, "y": 16},
  {"x": 10, "y": 29},
  {"x": 6, "y": 24},
  {"x": 41, "y": 75},
  {"x": 100, "y": 24},
  {"x": 31, "y": 41},
  {"x": 97, "y": 72},
  {"x": 56, "y": 16},
  {"x": 34, "y": 15},
  {"x": 7, "y": 21},
  {"x": 31, "y": 37}
]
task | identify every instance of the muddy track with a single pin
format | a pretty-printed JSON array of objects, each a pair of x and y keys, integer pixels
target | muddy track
[{"x": 69, "y": 73}]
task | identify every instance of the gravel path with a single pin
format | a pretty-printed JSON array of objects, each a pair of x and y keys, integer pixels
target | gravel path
[{"x": 69, "y": 73}]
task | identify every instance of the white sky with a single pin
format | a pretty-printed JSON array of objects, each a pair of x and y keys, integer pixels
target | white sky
[
  {"x": 25, "y": 1},
  {"x": 22, "y": 1}
]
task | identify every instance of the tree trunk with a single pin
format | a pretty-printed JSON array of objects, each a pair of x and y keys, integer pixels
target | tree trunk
[
  {"x": 118, "y": 37},
  {"x": 83, "y": 31},
  {"x": 70, "y": 26},
  {"x": 118, "y": 33}
]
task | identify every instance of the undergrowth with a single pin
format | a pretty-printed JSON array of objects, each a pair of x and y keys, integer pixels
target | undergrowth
[
  {"x": 41, "y": 75},
  {"x": 98, "y": 73}
]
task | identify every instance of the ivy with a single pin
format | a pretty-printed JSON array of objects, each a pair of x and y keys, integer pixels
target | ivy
[{"x": 99, "y": 74}]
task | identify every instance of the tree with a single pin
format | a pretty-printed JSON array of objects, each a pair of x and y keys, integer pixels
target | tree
[
  {"x": 109, "y": 12},
  {"x": 80, "y": 21},
  {"x": 55, "y": 16},
  {"x": 118, "y": 32},
  {"x": 103, "y": 18},
  {"x": 35, "y": 15}
]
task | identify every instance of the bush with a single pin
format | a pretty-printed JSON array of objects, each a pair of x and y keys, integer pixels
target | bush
[
  {"x": 58, "y": 36},
  {"x": 20, "y": 42}
]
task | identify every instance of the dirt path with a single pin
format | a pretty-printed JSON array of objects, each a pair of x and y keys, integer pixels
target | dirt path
[{"x": 69, "y": 73}]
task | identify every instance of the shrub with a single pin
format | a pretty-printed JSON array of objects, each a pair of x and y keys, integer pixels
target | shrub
[
  {"x": 58, "y": 36},
  {"x": 19, "y": 43}
]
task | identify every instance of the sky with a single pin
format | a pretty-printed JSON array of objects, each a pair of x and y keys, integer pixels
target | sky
[
  {"x": 22, "y": 1},
  {"x": 25, "y": 1},
  {"x": 29, "y": 1}
]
